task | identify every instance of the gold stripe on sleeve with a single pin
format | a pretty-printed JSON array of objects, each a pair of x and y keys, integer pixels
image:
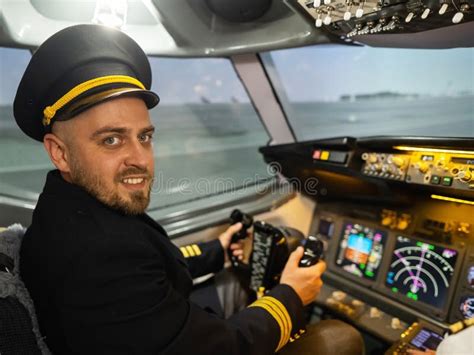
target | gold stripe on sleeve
[
  {"x": 184, "y": 252},
  {"x": 282, "y": 309},
  {"x": 190, "y": 250},
  {"x": 286, "y": 326},
  {"x": 277, "y": 319},
  {"x": 196, "y": 249}
]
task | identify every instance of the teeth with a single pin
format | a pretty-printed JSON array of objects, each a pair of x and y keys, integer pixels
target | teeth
[{"x": 133, "y": 181}]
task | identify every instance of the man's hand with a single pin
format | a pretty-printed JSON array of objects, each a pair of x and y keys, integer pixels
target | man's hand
[
  {"x": 306, "y": 281},
  {"x": 225, "y": 239}
]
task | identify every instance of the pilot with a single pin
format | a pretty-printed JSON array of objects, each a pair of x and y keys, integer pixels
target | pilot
[{"x": 103, "y": 275}]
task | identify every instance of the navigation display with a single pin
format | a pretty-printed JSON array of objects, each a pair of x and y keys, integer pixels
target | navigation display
[
  {"x": 467, "y": 307},
  {"x": 326, "y": 228},
  {"x": 360, "y": 250},
  {"x": 470, "y": 276},
  {"x": 421, "y": 271}
]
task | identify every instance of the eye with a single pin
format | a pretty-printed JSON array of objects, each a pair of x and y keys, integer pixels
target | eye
[
  {"x": 111, "y": 141},
  {"x": 145, "y": 137}
]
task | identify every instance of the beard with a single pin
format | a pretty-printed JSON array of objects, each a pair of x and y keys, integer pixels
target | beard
[{"x": 137, "y": 201}]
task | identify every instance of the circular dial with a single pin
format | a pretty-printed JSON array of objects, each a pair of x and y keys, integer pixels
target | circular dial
[
  {"x": 421, "y": 271},
  {"x": 467, "y": 307},
  {"x": 470, "y": 276}
]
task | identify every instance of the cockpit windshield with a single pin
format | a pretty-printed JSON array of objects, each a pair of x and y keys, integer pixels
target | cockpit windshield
[
  {"x": 330, "y": 91},
  {"x": 207, "y": 132}
]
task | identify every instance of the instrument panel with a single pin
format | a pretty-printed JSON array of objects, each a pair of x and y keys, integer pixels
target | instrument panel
[
  {"x": 453, "y": 170},
  {"x": 409, "y": 269},
  {"x": 349, "y": 18},
  {"x": 396, "y": 215}
]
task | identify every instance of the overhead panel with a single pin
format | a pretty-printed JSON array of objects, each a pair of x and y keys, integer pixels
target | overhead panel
[{"x": 396, "y": 23}]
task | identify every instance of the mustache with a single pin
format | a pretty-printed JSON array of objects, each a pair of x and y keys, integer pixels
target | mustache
[{"x": 134, "y": 171}]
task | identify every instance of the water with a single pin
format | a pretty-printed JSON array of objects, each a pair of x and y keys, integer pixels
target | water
[{"x": 430, "y": 116}]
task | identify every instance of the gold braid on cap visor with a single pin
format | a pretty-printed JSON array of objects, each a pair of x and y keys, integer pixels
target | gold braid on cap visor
[{"x": 50, "y": 111}]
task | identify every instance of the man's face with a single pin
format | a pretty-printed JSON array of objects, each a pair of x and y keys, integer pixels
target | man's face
[{"x": 111, "y": 154}]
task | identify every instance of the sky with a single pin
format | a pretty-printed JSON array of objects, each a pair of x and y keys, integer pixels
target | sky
[{"x": 316, "y": 73}]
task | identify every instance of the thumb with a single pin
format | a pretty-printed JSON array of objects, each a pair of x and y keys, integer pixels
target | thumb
[
  {"x": 225, "y": 238},
  {"x": 231, "y": 231},
  {"x": 234, "y": 228},
  {"x": 296, "y": 256}
]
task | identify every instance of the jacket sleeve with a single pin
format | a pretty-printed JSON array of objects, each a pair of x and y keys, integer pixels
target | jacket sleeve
[
  {"x": 204, "y": 258},
  {"x": 119, "y": 300},
  {"x": 262, "y": 328}
]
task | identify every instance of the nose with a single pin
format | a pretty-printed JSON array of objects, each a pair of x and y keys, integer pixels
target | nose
[{"x": 138, "y": 156}]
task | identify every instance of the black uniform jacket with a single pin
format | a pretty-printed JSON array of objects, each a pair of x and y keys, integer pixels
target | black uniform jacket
[{"x": 106, "y": 283}]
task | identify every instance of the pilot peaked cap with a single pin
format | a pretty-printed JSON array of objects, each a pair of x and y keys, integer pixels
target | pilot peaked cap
[{"x": 75, "y": 69}]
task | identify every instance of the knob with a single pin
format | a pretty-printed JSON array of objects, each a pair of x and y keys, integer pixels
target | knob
[
  {"x": 317, "y": 3},
  {"x": 359, "y": 12},
  {"x": 352, "y": 33},
  {"x": 409, "y": 17},
  {"x": 398, "y": 161},
  {"x": 402, "y": 224},
  {"x": 327, "y": 2},
  {"x": 339, "y": 295},
  {"x": 443, "y": 8},
  {"x": 422, "y": 167},
  {"x": 347, "y": 15},
  {"x": 386, "y": 221},
  {"x": 465, "y": 175},
  {"x": 425, "y": 13},
  {"x": 458, "y": 16},
  {"x": 327, "y": 19},
  {"x": 375, "y": 312},
  {"x": 392, "y": 170},
  {"x": 319, "y": 21},
  {"x": 392, "y": 24},
  {"x": 396, "y": 324},
  {"x": 365, "y": 29},
  {"x": 378, "y": 28},
  {"x": 372, "y": 158},
  {"x": 464, "y": 228},
  {"x": 331, "y": 301}
]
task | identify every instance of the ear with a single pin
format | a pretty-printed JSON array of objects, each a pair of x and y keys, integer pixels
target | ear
[{"x": 57, "y": 151}]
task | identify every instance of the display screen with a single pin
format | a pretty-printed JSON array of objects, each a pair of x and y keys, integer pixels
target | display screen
[
  {"x": 421, "y": 271},
  {"x": 426, "y": 340},
  {"x": 427, "y": 157},
  {"x": 326, "y": 228},
  {"x": 467, "y": 161},
  {"x": 467, "y": 307},
  {"x": 470, "y": 276},
  {"x": 360, "y": 250}
]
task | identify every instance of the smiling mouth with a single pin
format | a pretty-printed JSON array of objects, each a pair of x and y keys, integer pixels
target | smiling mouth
[{"x": 133, "y": 181}]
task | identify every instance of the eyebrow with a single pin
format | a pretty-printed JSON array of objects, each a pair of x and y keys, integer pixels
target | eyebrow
[
  {"x": 149, "y": 129},
  {"x": 119, "y": 130}
]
